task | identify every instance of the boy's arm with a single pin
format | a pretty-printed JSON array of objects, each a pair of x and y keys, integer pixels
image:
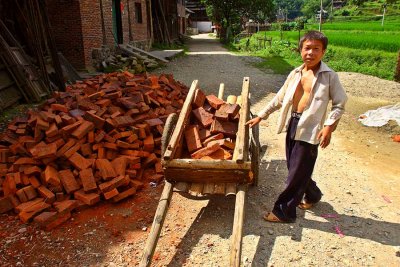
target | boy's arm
[{"x": 339, "y": 99}]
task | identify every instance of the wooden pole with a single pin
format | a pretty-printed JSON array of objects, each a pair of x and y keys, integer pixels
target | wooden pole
[
  {"x": 129, "y": 22},
  {"x": 157, "y": 225},
  {"x": 53, "y": 48},
  {"x": 237, "y": 232},
  {"x": 150, "y": 13},
  {"x": 221, "y": 91}
]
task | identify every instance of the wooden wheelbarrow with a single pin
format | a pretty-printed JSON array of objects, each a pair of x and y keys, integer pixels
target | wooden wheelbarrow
[{"x": 208, "y": 176}]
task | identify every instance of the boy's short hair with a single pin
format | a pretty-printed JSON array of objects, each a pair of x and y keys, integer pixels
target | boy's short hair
[{"x": 314, "y": 35}]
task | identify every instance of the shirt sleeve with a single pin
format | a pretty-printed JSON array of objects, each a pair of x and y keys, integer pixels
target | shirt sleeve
[
  {"x": 276, "y": 102},
  {"x": 339, "y": 99}
]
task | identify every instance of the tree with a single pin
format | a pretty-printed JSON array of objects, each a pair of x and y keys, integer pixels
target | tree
[
  {"x": 230, "y": 13},
  {"x": 290, "y": 7}
]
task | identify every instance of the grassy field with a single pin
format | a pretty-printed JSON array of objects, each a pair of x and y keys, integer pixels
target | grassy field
[{"x": 351, "y": 47}]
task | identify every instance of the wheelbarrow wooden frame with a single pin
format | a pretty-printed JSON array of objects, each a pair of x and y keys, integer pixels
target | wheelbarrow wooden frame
[{"x": 239, "y": 171}]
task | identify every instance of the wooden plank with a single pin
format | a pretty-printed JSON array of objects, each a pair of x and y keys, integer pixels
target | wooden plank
[
  {"x": 181, "y": 187},
  {"x": 241, "y": 150},
  {"x": 219, "y": 189},
  {"x": 230, "y": 189},
  {"x": 142, "y": 52},
  {"x": 237, "y": 231},
  {"x": 158, "y": 222},
  {"x": 206, "y": 175},
  {"x": 196, "y": 189},
  {"x": 206, "y": 164},
  {"x": 221, "y": 91},
  {"x": 208, "y": 188},
  {"x": 183, "y": 117}
]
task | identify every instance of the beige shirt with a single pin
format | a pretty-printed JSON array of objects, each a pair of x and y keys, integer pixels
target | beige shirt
[{"x": 325, "y": 87}]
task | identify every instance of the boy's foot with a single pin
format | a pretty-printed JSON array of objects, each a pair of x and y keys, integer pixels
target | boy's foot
[
  {"x": 305, "y": 206},
  {"x": 271, "y": 217}
]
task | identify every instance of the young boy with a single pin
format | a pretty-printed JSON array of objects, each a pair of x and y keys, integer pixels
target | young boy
[{"x": 303, "y": 100}]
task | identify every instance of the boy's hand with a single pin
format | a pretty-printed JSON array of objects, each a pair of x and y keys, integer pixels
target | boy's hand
[
  {"x": 253, "y": 121},
  {"x": 324, "y": 136}
]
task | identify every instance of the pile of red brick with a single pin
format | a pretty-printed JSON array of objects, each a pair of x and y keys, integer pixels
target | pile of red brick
[
  {"x": 212, "y": 131},
  {"x": 100, "y": 139}
]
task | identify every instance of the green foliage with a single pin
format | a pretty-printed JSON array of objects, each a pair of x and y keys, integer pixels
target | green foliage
[{"x": 351, "y": 47}]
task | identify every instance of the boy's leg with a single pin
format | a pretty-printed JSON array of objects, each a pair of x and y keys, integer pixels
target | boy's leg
[
  {"x": 302, "y": 161},
  {"x": 300, "y": 157},
  {"x": 313, "y": 194}
]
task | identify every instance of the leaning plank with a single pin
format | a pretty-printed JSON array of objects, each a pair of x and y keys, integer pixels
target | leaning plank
[
  {"x": 240, "y": 152},
  {"x": 237, "y": 231},
  {"x": 157, "y": 225},
  {"x": 143, "y": 52},
  {"x": 183, "y": 116}
]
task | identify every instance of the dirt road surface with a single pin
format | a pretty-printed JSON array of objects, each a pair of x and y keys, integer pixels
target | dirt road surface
[{"x": 358, "y": 173}]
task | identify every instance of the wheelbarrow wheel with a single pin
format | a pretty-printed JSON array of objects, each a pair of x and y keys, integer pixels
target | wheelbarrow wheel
[
  {"x": 167, "y": 132},
  {"x": 255, "y": 152}
]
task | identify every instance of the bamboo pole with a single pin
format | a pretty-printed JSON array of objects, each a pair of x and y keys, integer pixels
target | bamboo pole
[{"x": 157, "y": 225}]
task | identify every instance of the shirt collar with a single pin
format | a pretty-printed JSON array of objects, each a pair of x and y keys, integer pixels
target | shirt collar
[{"x": 322, "y": 68}]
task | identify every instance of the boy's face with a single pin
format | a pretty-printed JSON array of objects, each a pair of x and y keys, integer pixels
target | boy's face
[{"x": 312, "y": 52}]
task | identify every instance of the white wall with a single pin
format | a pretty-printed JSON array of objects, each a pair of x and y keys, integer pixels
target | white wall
[{"x": 203, "y": 26}]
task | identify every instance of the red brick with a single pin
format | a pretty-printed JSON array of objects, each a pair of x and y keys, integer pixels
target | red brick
[
  {"x": 59, "y": 107},
  {"x": 83, "y": 129},
  {"x": 205, "y": 151},
  {"x": 148, "y": 143},
  {"x": 68, "y": 181},
  {"x": 27, "y": 214},
  {"x": 124, "y": 194},
  {"x": 89, "y": 199},
  {"x": 34, "y": 181},
  {"x": 51, "y": 176},
  {"x": 9, "y": 186},
  {"x": 110, "y": 194},
  {"x": 30, "y": 192},
  {"x": 226, "y": 144},
  {"x": 66, "y": 205},
  {"x": 48, "y": 196},
  {"x": 205, "y": 118},
  {"x": 79, "y": 162},
  {"x": 220, "y": 154},
  {"x": 88, "y": 180},
  {"x": 217, "y": 136},
  {"x": 192, "y": 138},
  {"x": 52, "y": 131},
  {"x": 21, "y": 195},
  {"x": 199, "y": 99},
  {"x": 226, "y": 127},
  {"x": 214, "y": 101},
  {"x": 5, "y": 204},
  {"x": 71, "y": 142},
  {"x": 105, "y": 168},
  {"x": 26, "y": 205},
  {"x": 97, "y": 121}
]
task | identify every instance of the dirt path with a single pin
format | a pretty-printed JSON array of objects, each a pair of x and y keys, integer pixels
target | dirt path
[{"x": 358, "y": 174}]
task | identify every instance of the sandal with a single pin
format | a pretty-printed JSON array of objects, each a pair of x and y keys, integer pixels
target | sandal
[
  {"x": 271, "y": 217},
  {"x": 305, "y": 205}
]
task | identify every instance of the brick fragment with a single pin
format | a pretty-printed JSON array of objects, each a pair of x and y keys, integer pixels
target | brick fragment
[
  {"x": 217, "y": 136},
  {"x": 214, "y": 101},
  {"x": 21, "y": 195},
  {"x": 30, "y": 192},
  {"x": 226, "y": 127}
]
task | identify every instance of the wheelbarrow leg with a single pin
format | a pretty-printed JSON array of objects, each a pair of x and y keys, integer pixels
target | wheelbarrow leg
[
  {"x": 236, "y": 247},
  {"x": 157, "y": 225}
]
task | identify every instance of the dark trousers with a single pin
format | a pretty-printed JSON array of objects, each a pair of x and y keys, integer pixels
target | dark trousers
[{"x": 300, "y": 158}]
